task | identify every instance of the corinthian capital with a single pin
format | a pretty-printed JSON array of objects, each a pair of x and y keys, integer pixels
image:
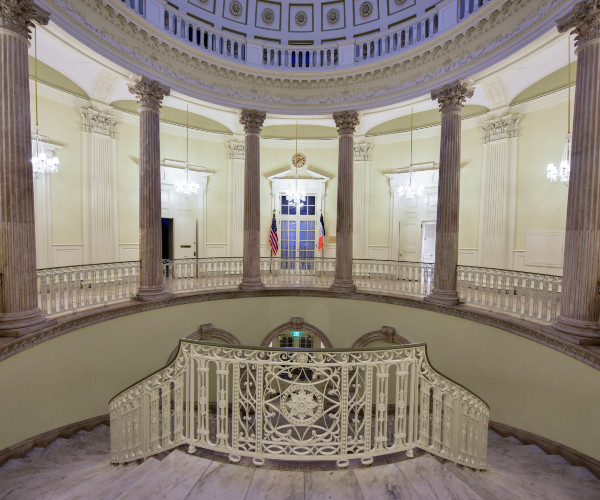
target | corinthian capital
[
  {"x": 252, "y": 120},
  {"x": 19, "y": 15},
  {"x": 149, "y": 93},
  {"x": 584, "y": 19},
  {"x": 346, "y": 122},
  {"x": 452, "y": 96}
]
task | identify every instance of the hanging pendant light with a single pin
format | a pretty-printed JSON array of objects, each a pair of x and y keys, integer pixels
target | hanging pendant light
[
  {"x": 562, "y": 173},
  {"x": 409, "y": 190},
  {"x": 42, "y": 164},
  {"x": 296, "y": 197},
  {"x": 187, "y": 188}
]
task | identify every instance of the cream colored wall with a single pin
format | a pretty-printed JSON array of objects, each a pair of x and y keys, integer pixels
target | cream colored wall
[
  {"x": 471, "y": 163},
  {"x": 541, "y": 204},
  {"x": 73, "y": 376},
  {"x": 61, "y": 123},
  {"x": 128, "y": 181}
]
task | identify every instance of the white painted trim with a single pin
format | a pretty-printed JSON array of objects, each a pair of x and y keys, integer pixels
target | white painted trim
[
  {"x": 217, "y": 250},
  {"x": 129, "y": 252},
  {"x": 67, "y": 255}
]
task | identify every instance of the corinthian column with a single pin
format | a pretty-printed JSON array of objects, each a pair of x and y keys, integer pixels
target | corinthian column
[
  {"x": 252, "y": 122},
  {"x": 19, "y": 311},
  {"x": 580, "y": 299},
  {"x": 150, "y": 94},
  {"x": 345, "y": 121},
  {"x": 451, "y": 98}
]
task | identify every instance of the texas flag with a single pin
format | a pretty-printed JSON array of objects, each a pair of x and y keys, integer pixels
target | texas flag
[{"x": 321, "y": 232}]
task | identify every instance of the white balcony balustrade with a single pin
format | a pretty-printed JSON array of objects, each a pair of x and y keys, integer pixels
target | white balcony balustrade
[
  {"x": 343, "y": 406},
  {"x": 525, "y": 295}
]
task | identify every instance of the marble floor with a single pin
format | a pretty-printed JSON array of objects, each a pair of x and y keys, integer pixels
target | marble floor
[{"x": 78, "y": 468}]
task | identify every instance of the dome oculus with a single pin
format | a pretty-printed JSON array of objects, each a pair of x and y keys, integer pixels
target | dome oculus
[
  {"x": 366, "y": 9},
  {"x": 301, "y": 18},
  {"x": 268, "y": 16},
  {"x": 333, "y": 16},
  {"x": 235, "y": 8}
]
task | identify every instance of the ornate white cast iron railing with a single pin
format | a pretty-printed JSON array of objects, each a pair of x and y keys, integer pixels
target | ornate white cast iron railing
[
  {"x": 526, "y": 295},
  {"x": 300, "y": 405},
  {"x": 333, "y": 55}
]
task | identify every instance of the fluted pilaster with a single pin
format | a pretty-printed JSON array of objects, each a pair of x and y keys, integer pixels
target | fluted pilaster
[
  {"x": 451, "y": 99},
  {"x": 150, "y": 94},
  {"x": 346, "y": 122},
  {"x": 580, "y": 298},
  {"x": 252, "y": 121},
  {"x": 19, "y": 311}
]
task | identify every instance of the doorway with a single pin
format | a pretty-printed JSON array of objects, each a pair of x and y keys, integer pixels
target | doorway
[
  {"x": 167, "y": 239},
  {"x": 428, "y": 242}
]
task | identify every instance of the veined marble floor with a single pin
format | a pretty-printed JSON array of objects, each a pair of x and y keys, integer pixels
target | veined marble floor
[{"x": 78, "y": 468}]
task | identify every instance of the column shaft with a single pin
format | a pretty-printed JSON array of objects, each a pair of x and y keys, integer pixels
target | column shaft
[
  {"x": 252, "y": 121},
  {"x": 19, "y": 311},
  {"x": 150, "y": 94},
  {"x": 346, "y": 122},
  {"x": 451, "y": 98},
  {"x": 580, "y": 298}
]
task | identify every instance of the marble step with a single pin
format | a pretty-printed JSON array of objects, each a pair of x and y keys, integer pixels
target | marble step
[
  {"x": 178, "y": 474},
  {"x": 490, "y": 485},
  {"x": 430, "y": 479}
]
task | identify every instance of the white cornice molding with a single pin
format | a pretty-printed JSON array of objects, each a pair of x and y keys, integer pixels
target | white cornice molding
[{"x": 493, "y": 35}]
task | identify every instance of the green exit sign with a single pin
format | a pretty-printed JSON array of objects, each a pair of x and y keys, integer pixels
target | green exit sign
[{"x": 296, "y": 333}]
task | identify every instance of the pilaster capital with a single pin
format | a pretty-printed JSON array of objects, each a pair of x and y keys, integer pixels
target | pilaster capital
[
  {"x": 149, "y": 93},
  {"x": 346, "y": 122},
  {"x": 236, "y": 150},
  {"x": 18, "y": 16},
  {"x": 252, "y": 120},
  {"x": 452, "y": 96},
  {"x": 362, "y": 151},
  {"x": 584, "y": 19},
  {"x": 503, "y": 127},
  {"x": 99, "y": 122}
]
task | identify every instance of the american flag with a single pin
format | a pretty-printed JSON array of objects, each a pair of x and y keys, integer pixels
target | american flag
[
  {"x": 321, "y": 232},
  {"x": 273, "y": 238}
]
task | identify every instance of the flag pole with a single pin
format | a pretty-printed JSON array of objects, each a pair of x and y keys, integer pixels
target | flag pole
[
  {"x": 271, "y": 259},
  {"x": 322, "y": 250}
]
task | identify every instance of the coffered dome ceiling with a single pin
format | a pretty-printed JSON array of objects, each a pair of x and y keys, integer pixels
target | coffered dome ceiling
[
  {"x": 133, "y": 45},
  {"x": 290, "y": 22}
]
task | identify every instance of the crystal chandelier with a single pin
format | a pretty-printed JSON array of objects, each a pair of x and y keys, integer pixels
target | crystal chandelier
[
  {"x": 42, "y": 164},
  {"x": 409, "y": 190},
  {"x": 564, "y": 169},
  {"x": 187, "y": 188},
  {"x": 295, "y": 197},
  {"x": 562, "y": 173}
]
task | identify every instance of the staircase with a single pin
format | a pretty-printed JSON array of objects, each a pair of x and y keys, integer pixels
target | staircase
[{"x": 78, "y": 468}]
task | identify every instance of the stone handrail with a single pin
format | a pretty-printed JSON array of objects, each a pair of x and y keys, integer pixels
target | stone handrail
[
  {"x": 300, "y": 405},
  {"x": 326, "y": 56},
  {"x": 524, "y": 295}
]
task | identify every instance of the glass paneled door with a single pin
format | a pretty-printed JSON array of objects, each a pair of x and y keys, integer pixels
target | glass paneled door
[{"x": 298, "y": 234}]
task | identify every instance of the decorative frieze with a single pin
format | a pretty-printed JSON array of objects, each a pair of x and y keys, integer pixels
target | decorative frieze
[
  {"x": 94, "y": 121},
  {"x": 452, "y": 96},
  {"x": 362, "y": 151},
  {"x": 252, "y": 120},
  {"x": 19, "y": 15},
  {"x": 149, "y": 93},
  {"x": 236, "y": 150},
  {"x": 584, "y": 19},
  {"x": 346, "y": 122},
  {"x": 504, "y": 127}
]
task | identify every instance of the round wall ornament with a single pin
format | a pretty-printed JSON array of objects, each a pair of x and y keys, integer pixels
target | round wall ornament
[
  {"x": 299, "y": 160},
  {"x": 366, "y": 9},
  {"x": 235, "y": 8},
  {"x": 301, "y": 18},
  {"x": 268, "y": 16},
  {"x": 333, "y": 16}
]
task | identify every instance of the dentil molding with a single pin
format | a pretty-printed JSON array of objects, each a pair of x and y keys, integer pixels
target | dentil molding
[{"x": 491, "y": 34}]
